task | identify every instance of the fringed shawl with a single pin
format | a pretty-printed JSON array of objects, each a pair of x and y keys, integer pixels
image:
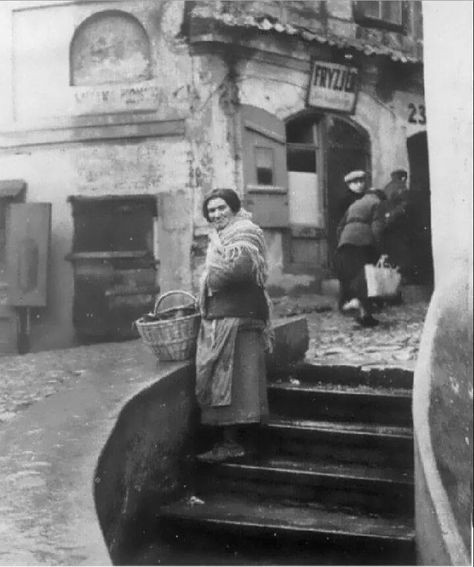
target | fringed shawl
[
  {"x": 216, "y": 343},
  {"x": 240, "y": 236}
]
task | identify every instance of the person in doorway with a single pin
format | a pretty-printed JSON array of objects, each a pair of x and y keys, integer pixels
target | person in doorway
[
  {"x": 354, "y": 190},
  {"x": 235, "y": 327},
  {"x": 396, "y": 235},
  {"x": 359, "y": 239}
]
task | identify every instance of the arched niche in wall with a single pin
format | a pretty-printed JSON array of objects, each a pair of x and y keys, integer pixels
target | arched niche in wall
[{"x": 110, "y": 47}]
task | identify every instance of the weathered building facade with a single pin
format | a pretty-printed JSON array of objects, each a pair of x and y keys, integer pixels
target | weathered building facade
[{"x": 130, "y": 111}]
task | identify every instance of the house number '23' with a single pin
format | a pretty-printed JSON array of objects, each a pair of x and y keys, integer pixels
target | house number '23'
[{"x": 417, "y": 113}]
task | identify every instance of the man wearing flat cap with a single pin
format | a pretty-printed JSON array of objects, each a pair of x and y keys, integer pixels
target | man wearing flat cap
[
  {"x": 359, "y": 239},
  {"x": 356, "y": 182},
  {"x": 355, "y": 176}
]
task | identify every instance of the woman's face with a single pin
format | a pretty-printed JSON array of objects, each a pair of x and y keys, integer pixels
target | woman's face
[{"x": 219, "y": 213}]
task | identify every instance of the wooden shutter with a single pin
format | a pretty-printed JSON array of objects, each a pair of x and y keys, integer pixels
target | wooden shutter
[
  {"x": 27, "y": 237},
  {"x": 265, "y": 171}
]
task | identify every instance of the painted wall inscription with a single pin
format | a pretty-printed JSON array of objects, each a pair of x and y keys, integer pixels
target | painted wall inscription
[
  {"x": 131, "y": 168},
  {"x": 116, "y": 98}
]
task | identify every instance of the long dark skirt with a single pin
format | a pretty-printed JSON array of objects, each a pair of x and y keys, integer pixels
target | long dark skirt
[
  {"x": 349, "y": 264},
  {"x": 249, "y": 386}
]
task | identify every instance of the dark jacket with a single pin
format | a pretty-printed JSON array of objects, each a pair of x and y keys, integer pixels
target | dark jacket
[
  {"x": 346, "y": 201},
  {"x": 395, "y": 207},
  {"x": 237, "y": 295},
  {"x": 363, "y": 223}
]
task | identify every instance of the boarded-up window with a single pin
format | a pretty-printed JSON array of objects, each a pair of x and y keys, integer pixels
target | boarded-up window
[
  {"x": 110, "y": 47},
  {"x": 113, "y": 225},
  {"x": 115, "y": 279}
]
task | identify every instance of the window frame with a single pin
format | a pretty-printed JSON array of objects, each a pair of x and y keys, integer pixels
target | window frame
[
  {"x": 369, "y": 21},
  {"x": 88, "y": 212},
  {"x": 271, "y": 152},
  {"x": 295, "y": 146}
]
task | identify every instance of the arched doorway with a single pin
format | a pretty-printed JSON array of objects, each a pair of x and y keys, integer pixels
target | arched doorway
[
  {"x": 348, "y": 148},
  {"x": 420, "y": 210}
]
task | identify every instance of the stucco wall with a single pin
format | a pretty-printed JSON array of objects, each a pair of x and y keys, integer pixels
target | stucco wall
[
  {"x": 112, "y": 139},
  {"x": 40, "y": 61},
  {"x": 442, "y": 403},
  {"x": 54, "y": 174},
  {"x": 450, "y": 134},
  {"x": 442, "y": 417}
]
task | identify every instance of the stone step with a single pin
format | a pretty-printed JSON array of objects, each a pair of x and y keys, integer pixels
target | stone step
[
  {"x": 379, "y": 490},
  {"x": 290, "y": 531},
  {"x": 303, "y": 400},
  {"x": 348, "y": 376},
  {"x": 344, "y": 442}
]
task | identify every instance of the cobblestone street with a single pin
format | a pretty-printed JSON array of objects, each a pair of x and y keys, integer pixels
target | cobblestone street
[
  {"x": 30, "y": 378},
  {"x": 334, "y": 339},
  {"x": 337, "y": 339}
]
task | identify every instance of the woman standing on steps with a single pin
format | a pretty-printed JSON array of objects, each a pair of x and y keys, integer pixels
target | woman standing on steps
[{"x": 235, "y": 328}]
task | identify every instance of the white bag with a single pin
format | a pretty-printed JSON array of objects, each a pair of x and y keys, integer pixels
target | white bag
[{"x": 383, "y": 280}]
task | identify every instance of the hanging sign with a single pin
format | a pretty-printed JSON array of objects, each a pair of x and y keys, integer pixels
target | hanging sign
[{"x": 333, "y": 86}]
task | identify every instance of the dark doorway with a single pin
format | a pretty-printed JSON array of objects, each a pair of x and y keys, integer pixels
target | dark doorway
[
  {"x": 420, "y": 210},
  {"x": 348, "y": 148}
]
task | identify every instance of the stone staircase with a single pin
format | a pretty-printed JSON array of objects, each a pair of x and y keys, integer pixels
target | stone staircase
[{"x": 328, "y": 481}]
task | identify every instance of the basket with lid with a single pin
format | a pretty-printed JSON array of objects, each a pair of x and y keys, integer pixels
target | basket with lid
[{"x": 171, "y": 333}]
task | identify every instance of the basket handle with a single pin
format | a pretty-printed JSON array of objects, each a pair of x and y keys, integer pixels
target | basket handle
[{"x": 173, "y": 292}]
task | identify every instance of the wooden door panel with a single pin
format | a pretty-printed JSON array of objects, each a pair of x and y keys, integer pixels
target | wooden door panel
[{"x": 265, "y": 172}]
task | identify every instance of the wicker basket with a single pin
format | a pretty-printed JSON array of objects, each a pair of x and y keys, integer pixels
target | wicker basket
[{"x": 171, "y": 337}]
